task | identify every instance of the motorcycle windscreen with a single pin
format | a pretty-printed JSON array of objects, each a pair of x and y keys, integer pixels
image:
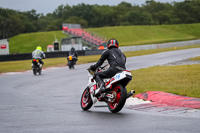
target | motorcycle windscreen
[{"x": 91, "y": 72}]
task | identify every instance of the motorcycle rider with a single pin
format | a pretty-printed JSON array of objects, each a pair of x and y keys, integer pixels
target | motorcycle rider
[
  {"x": 116, "y": 60},
  {"x": 38, "y": 54},
  {"x": 73, "y": 54}
]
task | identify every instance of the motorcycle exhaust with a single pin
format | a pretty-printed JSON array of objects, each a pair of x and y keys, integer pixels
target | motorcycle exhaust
[{"x": 132, "y": 92}]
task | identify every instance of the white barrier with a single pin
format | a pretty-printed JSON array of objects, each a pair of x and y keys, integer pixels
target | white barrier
[
  {"x": 156, "y": 46},
  {"x": 4, "y": 47}
]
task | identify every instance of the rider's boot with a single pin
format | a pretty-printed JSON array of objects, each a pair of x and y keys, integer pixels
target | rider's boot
[
  {"x": 40, "y": 65},
  {"x": 102, "y": 87}
]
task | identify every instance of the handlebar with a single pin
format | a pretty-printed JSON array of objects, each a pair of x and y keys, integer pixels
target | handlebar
[{"x": 98, "y": 69}]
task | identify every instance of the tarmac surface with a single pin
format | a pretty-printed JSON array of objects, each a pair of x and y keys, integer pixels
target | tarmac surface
[{"x": 50, "y": 103}]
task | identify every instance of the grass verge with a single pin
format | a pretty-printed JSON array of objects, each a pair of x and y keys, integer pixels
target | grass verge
[
  {"x": 150, "y": 34},
  {"x": 195, "y": 58},
  {"x": 182, "y": 80},
  {"x": 26, "y": 43},
  {"x": 16, "y": 66}
]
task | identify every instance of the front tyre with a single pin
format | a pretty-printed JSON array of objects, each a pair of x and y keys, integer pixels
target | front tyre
[
  {"x": 70, "y": 64},
  {"x": 120, "y": 98},
  {"x": 86, "y": 100}
]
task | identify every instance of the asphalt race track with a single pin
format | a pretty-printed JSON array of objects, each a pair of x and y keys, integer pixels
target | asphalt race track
[{"x": 50, "y": 103}]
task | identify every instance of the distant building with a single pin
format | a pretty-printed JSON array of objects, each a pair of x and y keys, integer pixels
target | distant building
[
  {"x": 50, "y": 48},
  {"x": 4, "y": 47},
  {"x": 68, "y": 43}
]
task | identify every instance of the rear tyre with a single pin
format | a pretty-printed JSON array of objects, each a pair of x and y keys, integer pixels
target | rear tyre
[
  {"x": 120, "y": 100},
  {"x": 34, "y": 70},
  {"x": 40, "y": 70},
  {"x": 86, "y": 100}
]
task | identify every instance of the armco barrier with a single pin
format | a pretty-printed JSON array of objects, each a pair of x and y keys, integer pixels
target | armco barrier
[
  {"x": 93, "y": 52},
  {"x": 28, "y": 56},
  {"x": 161, "y": 45},
  {"x": 15, "y": 57},
  {"x": 170, "y": 99}
]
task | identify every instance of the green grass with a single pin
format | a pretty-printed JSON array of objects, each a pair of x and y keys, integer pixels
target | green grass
[
  {"x": 16, "y": 66},
  {"x": 137, "y": 35},
  {"x": 195, "y": 58},
  {"x": 26, "y": 43},
  {"x": 181, "y": 80}
]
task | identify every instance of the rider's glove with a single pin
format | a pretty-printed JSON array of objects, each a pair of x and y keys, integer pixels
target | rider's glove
[{"x": 92, "y": 67}]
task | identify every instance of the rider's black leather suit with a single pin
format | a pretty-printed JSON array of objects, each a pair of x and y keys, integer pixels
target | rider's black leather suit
[
  {"x": 73, "y": 53},
  {"x": 116, "y": 60}
]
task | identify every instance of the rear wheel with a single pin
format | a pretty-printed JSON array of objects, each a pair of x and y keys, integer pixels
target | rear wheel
[
  {"x": 86, "y": 100},
  {"x": 34, "y": 70},
  {"x": 120, "y": 98},
  {"x": 40, "y": 70}
]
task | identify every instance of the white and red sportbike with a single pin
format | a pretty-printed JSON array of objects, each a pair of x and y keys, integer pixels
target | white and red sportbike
[{"x": 115, "y": 95}]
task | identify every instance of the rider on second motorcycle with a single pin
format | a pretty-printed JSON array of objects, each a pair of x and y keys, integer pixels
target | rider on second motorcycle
[
  {"x": 73, "y": 53},
  {"x": 38, "y": 54},
  {"x": 116, "y": 60}
]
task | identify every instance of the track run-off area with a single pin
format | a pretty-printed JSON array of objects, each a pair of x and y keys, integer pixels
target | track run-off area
[{"x": 50, "y": 103}]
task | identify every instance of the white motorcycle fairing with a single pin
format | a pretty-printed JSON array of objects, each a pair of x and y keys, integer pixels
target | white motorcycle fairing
[{"x": 108, "y": 82}]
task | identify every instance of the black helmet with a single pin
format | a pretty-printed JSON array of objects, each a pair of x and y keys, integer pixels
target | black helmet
[
  {"x": 112, "y": 43},
  {"x": 72, "y": 49}
]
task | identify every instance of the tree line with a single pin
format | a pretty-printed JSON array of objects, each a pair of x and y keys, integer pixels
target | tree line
[{"x": 14, "y": 22}]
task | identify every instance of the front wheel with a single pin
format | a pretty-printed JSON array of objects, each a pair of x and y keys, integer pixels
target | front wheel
[
  {"x": 86, "y": 100},
  {"x": 70, "y": 64},
  {"x": 120, "y": 98}
]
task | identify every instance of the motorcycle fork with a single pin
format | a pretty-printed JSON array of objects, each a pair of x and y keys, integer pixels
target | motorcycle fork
[{"x": 87, "y": 93}]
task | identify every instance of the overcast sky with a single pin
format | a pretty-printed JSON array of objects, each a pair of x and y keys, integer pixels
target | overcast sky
[{"x": 48, "y": 6}]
